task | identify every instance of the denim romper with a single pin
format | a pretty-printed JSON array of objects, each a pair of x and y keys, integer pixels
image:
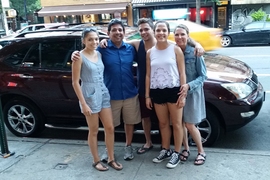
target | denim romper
[{"x": 93, "y": 88}]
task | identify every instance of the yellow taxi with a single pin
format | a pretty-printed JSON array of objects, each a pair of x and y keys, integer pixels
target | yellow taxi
[{"x": 208, "y": 37}]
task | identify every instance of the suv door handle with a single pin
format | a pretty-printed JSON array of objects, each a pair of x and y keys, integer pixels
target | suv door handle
[{"x": 25, "y": 76}]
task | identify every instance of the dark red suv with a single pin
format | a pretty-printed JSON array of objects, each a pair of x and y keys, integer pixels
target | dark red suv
[{"x": 36, "y": 89}]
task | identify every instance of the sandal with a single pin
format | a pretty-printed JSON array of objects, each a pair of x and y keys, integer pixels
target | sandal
[
  {"x": 115, "y": 165},
  {"x": 200, "y": 160},
  {"x": 104, "y": 168},
  {"x": 143, "y": 149},
  {"x": 184, "y": 157}
]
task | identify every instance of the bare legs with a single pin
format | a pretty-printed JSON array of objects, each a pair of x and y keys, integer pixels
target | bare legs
[
  {"x": 146, "y": 123},
  {"x": 196, "y": 136},
  {"x": 165, "y": 113},
  {"x": 93, "y": 124},
  {"x": 129, "y": 128}
]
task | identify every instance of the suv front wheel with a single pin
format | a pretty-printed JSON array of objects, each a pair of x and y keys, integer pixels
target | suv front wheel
[{"x": 22, "y": 118}]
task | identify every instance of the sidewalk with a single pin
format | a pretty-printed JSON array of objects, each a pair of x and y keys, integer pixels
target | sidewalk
[{"x": 50, "y": 159}]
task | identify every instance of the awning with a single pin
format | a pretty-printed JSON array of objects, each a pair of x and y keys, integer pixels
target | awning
[
  {"x": 140, "y": 3},
  {"x": 108, "y": 8}
]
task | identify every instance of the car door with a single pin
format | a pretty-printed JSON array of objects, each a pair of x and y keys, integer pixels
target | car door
[
  {"x": 48, "y": 77},
  {"x": 252, "y": 33}
]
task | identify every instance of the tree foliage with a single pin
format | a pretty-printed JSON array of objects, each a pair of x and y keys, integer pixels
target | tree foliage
[
  {"x": 31, "y": 6},
  {"x": 258, "y": 15}
]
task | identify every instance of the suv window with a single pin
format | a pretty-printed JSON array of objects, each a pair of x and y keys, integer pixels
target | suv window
[
  {"x": 16, "y": 59},
  {"x": 49, "y": 55},
  {"x": 40, "y": 27},
  {"x": 56, "y": 54}
]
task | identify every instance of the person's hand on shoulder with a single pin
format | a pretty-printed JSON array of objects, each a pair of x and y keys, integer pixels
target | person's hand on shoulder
[
  {"x": 75, "y": 56},
  {"x": 103, "y": 43},
  {"x": 199, "y": 50}
]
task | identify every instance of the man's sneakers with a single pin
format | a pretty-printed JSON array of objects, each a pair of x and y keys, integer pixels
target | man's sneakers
[
  {"x": 128, "y": 153},
  {"x": 104, "y": 156},
  {"x": 168, "y": 154},
  {"x": 163, "y": 154},
  {"x": 174, "y": 161}
]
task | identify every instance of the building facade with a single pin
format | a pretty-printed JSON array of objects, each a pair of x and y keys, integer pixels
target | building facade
[
  {"x": 209, "y": 12},
  {"x": 83, "y": 11},
  {"x": 242, "y": 10}
]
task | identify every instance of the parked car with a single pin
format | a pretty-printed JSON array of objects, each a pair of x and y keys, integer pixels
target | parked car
[
  {"x": 36, "y": 88},
  {"x": 253, "y": 33},
  {"x": 2, "y": 33},
  {"x": 35, "y": 27}
]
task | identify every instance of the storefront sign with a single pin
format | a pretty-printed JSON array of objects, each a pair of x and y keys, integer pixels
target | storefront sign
[
  {"x": 78, "y": 2},
  {"x": 235, "y": 2},
  {"x": 170, "y": 14}
]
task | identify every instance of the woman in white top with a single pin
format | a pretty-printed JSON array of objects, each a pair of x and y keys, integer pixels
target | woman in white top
[{"x": 165, "y": 75}]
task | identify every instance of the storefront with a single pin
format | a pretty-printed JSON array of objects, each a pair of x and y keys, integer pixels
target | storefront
[
  {"x": 83, "y": 11},
  {"x": 242, "y": 10},
  {"x": 173, "y": 10}
]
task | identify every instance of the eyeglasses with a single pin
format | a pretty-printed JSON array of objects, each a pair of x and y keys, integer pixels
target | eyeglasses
[{"x": 90, "y": 29}]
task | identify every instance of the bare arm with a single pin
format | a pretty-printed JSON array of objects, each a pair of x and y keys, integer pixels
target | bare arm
[
  {"x": 104, "y": 42},
  {"x": 182, "y": 73},
  {"x": 76, "y": 70},
  {"x": 147, "y": 81}
]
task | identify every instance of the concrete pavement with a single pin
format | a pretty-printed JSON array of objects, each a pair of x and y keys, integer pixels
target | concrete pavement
[{"x": 51, "y": 159}]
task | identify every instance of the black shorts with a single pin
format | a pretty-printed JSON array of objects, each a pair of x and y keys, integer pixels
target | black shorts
[{"x": 166, "y": 95}]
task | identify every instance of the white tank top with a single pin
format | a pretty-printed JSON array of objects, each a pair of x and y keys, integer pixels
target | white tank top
[{"x": 164, "y": 71}]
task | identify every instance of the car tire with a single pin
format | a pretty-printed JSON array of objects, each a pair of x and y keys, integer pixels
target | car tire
[
  {"x": 23, "y": 118},
  {"x": 209, "y": 129},
  {"x": 225, "y": 41}
]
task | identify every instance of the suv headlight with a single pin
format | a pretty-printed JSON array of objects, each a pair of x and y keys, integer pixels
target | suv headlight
[{"x": 240, "y": 90}]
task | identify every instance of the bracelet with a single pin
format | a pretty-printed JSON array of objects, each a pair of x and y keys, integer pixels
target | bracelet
[{"x": 147, "y": 97}]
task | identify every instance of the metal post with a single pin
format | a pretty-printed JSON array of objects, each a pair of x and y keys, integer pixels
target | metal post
[
  {"x": 5, "y": 18},
  {"x": 25, "y": 9},
  {"x": 3, "y": 140}
]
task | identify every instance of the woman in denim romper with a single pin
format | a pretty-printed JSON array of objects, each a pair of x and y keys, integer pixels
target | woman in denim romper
[
  {"x": 194, "y": 110},
  {"x": 94, "y": 97}
]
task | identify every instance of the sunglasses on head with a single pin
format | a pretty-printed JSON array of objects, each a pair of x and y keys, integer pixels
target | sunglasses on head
[
  {"x": 115, "y": 21},
  {"x": 90, "y": 29}
]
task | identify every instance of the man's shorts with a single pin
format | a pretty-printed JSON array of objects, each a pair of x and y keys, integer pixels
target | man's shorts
[
  {"x": 145, "y": 112},
  {"x": 166, "y": 95},
  {"x": 130, "y": 109}
]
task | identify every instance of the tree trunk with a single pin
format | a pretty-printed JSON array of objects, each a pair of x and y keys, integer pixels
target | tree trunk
[{"x": 198, "y": 9}]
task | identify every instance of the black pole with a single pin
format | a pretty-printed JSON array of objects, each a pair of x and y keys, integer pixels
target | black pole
[
  {"x": 3, "y": 140},
  {"x": 25, "y": 9}
]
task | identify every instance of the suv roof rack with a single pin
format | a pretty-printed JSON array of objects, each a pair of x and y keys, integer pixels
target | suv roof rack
[{"x": 71, "y": 30}]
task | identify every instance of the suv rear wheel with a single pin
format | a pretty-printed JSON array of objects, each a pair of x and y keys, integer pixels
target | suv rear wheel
[{"x": 22, "y": 118}]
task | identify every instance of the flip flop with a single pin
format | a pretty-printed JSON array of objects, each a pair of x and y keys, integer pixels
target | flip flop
[
  {"x": 104, "y": 168},
  {"x": 112, "y": 164},
  {"x": 143, "y": 149}
]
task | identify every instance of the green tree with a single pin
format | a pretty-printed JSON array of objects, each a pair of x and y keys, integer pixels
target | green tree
[
  {"x": 258, "y": 15},
  {"x": 19, "y": 5}
]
